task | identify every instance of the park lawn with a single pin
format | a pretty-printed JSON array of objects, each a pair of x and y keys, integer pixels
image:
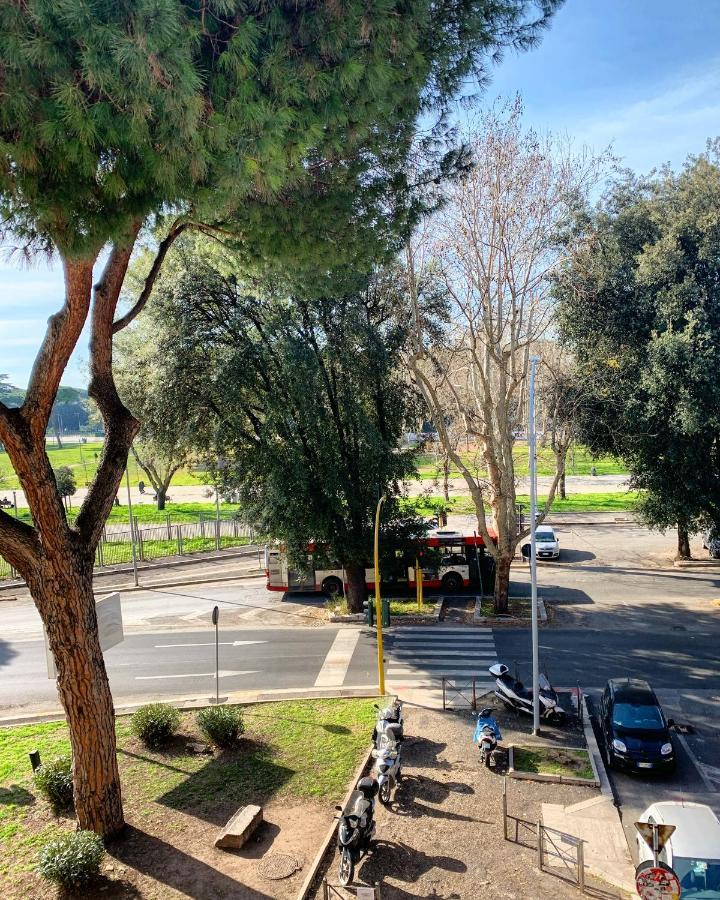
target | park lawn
[
  {"x": 553, "y": 761},
  {"x": 579, "y": 462},
  {"x": 83, "y": 460},
  {"x": 617, "y": 501},
  {"x": 148, "y": 514},
  {"x": 299, "y": 750}
]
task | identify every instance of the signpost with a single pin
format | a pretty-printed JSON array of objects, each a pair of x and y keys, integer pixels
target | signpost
[
  {"x": 654, "y": 880},
  {"x": 110, "y": 628}
]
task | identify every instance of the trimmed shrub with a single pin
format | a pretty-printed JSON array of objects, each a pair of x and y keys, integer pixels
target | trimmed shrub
[
  {"x": 222, "y": 725},
  {"x": 72, "y": 860},
  {"x": 155, "y": 723},
  {"x": 54, "y": 781}
]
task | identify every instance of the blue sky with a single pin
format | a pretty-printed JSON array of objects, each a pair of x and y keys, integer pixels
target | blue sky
[{"x": 642, "y": 75}]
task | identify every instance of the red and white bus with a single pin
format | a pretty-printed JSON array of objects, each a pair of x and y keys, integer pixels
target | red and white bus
[{"x": 449, "y": 559}]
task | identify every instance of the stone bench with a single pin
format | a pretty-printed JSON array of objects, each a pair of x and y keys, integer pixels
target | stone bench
[{"x": 240, "y": 828}]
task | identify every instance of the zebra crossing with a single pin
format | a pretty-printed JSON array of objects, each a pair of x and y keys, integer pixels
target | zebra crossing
[{"x": 424, "y": 656}]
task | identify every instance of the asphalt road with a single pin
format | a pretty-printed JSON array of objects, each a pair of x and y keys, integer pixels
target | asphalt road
[{"x": 178, "y": 663}]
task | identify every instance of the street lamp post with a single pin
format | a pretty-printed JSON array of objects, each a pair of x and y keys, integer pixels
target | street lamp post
[
  {"x": 378, "y": 602},
  {"x": 533, "y": 557}
]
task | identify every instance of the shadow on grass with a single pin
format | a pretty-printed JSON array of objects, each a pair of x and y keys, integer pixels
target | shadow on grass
[
  {"x": 246, "y": 774},
  {"x": 169, "y": 866},
  {"x": 16, "y": 795}
]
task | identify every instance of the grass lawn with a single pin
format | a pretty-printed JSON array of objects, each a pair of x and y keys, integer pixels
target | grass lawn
[
  {"x": 579, "y": 462},
  {"x": 407, "y": 606},
  {"x": 147, "y": 514},
  {"x": 553, "y": 761},
  {"x": 618, "y": 501},
  {"x": 297, "y": 751},
  {"x": 83, "y": 460}
]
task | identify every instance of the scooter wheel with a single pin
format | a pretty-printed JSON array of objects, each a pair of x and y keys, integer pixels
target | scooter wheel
[
  {"x": 557, "y": 718},
  {"x": 486, "y": 759},
  {"x": 384, "y": 793},
  {"x": 346, "y": 869}
]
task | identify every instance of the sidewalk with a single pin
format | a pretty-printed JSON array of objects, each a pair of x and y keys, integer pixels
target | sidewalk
[{"x": 442, "y": 835}]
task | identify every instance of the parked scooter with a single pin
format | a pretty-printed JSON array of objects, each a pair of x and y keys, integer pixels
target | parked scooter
[
  {"x": 515, "y": 695},
  {"x": 387, "y": 756},
  {"x": 486, "y": 736},
  {"x": 389, "y": 715},
  {"x": 357, "y": 827}
]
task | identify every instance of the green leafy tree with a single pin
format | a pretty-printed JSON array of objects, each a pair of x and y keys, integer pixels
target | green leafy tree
[
  {"x": 221, "y": 116},
  {"x": 303, "y": 399},
  {"x": 640, "y": 307},
  {"x": 163, "y": 445},
  {"x": 65, "y": 481}
]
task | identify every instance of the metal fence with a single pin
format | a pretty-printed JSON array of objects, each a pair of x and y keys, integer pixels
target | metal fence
[
  {"x": 162, "y": 540},
  {"x": 561, "y": 854}
]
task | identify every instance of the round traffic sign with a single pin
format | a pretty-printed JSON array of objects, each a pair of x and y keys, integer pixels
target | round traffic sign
[{"x": 656, "y": 882}]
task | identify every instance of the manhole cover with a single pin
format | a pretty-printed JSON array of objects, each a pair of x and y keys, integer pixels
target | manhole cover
[{"x": 275, "y": 866}]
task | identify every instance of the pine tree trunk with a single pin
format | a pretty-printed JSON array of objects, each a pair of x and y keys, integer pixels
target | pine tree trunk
[
  {"x": 502, "y": 581},
  {"x": 683, "y": 543},
  {"x": 356, "y": 587},
  {"x": 67, "y": 606},
  {"x": 446, "y": 477},
  {"x": 160, "y": 494},
  {"x": 561, "y": 487}
]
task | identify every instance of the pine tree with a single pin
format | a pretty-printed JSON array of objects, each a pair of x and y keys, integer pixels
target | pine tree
[{"x": 119, "y": 115}]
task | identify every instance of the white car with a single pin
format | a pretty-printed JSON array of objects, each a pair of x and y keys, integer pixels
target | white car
[
  {"x": 693, "y": 850},
  {"x": 547, "y": 546}
]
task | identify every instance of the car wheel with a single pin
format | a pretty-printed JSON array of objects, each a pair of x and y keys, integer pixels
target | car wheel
[
  {"x": 332, "y": 586},
  {"x": 452, "y": 582}
]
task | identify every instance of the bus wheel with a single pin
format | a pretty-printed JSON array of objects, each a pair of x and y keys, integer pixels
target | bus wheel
[
  {"x": 332, "y": 586},
  {"x": 452, "y": 582}
]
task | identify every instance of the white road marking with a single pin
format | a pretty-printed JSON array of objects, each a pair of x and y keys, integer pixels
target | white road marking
[
  {"x": 337, "y": 661},
  {"x": 422, "y": 654},
  {"x": 223, "y": 674},
  {"x": 211, "y": 644}
]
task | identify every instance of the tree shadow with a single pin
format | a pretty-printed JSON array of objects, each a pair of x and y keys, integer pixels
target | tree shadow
[
  {"x": 396, "y": 860},
  {"x": 16, "y": 795},
  {"x": 170, "y": 866},
  {"x": 7, "y": 653},
  {"x": 246, "y": 774}
]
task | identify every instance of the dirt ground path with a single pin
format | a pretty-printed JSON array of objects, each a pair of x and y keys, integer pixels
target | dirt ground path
[{"x": 442, "y": 835}]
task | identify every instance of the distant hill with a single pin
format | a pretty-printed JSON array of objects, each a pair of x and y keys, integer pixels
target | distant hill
[{"x": 70, "y": 412}]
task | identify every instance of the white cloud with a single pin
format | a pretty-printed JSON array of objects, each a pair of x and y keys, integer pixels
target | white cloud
[{"x": 670, "y": 122}]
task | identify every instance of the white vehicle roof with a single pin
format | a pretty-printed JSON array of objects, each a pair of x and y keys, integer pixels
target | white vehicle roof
[
  {"x": 698, "y": 828},
  {"x": 546, "y": 528}
]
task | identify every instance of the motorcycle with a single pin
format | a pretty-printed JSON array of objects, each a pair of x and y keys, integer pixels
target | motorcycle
[
  {"x": 389, "y": 715},
  {"x": 387, "y": 769},
  {"x": 357, "y": 827},
  {"x": 515, "y": 695},
  {"x": 486, "y": 736}
]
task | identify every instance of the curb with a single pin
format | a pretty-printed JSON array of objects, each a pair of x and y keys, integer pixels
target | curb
[
  {"x": 596, "y": 757},
  {"x": 244, "y": 698},
  {"x": 330, "y": 834},
  {"x": 551, "y": 779}
]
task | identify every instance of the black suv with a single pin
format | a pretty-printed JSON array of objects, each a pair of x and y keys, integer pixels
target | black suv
[{"x": 636, "y": 732}]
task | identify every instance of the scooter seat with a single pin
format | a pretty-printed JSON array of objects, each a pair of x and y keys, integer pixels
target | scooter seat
[{"x": 358, "y": 805}]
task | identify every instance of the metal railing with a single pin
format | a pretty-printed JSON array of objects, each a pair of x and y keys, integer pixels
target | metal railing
[
  {"x": 162, "y": 540},
  {"x": 550, "y": 845},
  {"x": 451, "y": 687}
]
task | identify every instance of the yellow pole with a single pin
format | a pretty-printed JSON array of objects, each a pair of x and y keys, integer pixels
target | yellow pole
[
  {"x": 378, "y": 603},
  {"x": 418, "y": 584}
]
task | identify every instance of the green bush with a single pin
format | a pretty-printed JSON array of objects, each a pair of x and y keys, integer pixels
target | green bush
[
  {"x": 155, "y": 723},
  {"x": 221, "y": 724},
  {"x": 73, "y": 859},
  {"x": 54, "y": 781}
]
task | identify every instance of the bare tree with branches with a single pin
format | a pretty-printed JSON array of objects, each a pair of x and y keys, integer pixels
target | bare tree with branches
[{"x": 491, "y": 251}]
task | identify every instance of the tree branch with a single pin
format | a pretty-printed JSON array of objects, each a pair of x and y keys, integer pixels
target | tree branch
[
  {"x": 63, "y": 332},
  {"x": 19, "y": 544},
  {"x": 167, "y": 242}
]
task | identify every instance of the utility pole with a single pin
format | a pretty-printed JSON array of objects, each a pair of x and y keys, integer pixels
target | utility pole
[
  {"x": 378, "y": 602},
  {"x": 130, "y": 516},
  {"x": 533, "y": 556}
]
